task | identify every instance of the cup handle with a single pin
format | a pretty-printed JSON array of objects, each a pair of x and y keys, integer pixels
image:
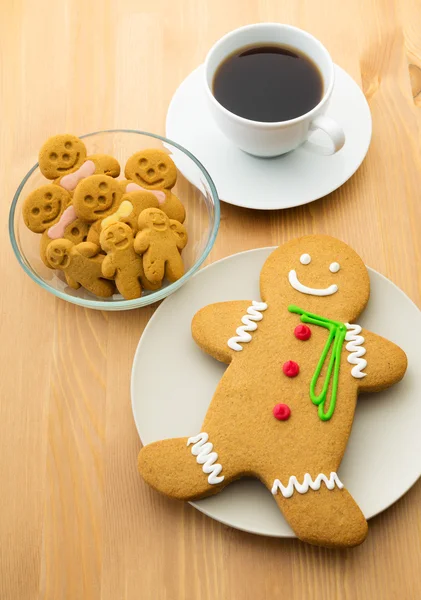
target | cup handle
[{"x": 332, "y": 129}]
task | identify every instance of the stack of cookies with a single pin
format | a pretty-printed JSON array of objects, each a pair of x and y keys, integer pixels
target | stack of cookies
[{"x": 106, "y": 234}]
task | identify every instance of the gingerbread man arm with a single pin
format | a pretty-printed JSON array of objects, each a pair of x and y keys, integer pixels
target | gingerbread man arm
[
  {"x": 104, "y": 163},
  {"x": 87, "y": 249},
  {"x": 142, "y": 241},
  {"x": 386, "y": 363},
  {"x": 215, "y": 324},
  {"x": 108, "y": 267},
  {"x": 180, "y": 233}
]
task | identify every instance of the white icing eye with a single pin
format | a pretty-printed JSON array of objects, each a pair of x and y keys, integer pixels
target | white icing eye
[
  {"x": 334, "y": 267},
  {"x": 305, "y": 259}
]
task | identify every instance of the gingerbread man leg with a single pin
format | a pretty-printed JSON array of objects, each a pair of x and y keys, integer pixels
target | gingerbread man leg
[
  {"x": 201, "y": 465},
  {"x": 174, "y": 267},
  {"x": 320, "y": 510},
  {"x": 154, "y": 267},
  {"x": 101, "y": 287},
  {"x": 173, "y": 208},
  {"x": 128, "y": 285}
]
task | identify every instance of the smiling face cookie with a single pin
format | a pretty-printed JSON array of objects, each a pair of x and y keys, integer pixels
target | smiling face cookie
[
  {"x": 44, "y": 207},
  {"x": 122, "y": 262},
  {"x": 151, "y": 169},
  {"x": 160, "y": 241},
  {"x": 96, "y": 197},
  {"x": 284, "y": 407},
  {"x": 61, "y": 154}
]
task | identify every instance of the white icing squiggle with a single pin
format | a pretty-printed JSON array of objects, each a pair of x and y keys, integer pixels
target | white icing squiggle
[
  {"x": 202, "y": 449},
  {"x": 297, "y": 285},
  {"x": 250, "y": 324},
  {"x": 302, "y": 488},
  {"x": 355, "y": 347}
]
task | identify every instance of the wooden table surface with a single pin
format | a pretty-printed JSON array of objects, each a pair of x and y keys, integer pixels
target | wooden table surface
[{"x": 76, "y": 521}]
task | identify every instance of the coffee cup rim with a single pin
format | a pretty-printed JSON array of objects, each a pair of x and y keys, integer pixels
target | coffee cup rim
[{"x": 271, "y": 124}]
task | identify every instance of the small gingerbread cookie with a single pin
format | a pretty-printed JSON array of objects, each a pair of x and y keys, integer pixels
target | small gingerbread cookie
[
  {"x": 160, "y": 240},
  {"x": 81, "y": 265},
  {"x": 284, "y": 407},
  {"x": 44, "y": 207},
  {"x": 96, "y": 197},
  {"x": 122, "y": 263},
  {"x": 153, "y": 169},
  {"x": 68, "y": 227}
]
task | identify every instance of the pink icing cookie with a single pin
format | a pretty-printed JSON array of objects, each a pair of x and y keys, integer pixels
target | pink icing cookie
[
  {"x": 133, "y": 187},
  {"x": 57, "y": 231},
  {"x": 69, "y": 182}
]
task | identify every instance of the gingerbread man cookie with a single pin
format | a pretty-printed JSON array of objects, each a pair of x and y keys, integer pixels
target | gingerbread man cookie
[
  {"x": 284, "y": 408},
  {"x": 81, "y": 265},
  {"x": 160, "y": 240},
  {"x": 44, "y": 207},
  {"x": 122, "y": 263},
  {"x": 153, "y": 169},
  {"x": 65, "y": 154}
]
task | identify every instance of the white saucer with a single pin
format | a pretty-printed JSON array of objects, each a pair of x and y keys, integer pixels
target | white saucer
[
  {"x": 271, "y": 183},
  {"x": 173, "y": 382}
]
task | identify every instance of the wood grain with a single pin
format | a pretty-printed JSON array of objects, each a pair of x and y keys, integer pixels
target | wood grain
[{"x": 76, "y": 522}]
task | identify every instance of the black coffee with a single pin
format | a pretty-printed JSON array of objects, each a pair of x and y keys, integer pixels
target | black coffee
[{"x": 268, "y": 83}]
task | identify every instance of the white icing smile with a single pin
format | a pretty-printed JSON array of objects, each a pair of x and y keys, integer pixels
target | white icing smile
[{"x": 297, "y": 285}]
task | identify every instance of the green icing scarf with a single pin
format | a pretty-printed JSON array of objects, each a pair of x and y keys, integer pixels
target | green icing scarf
[{"x": 337, "y": 333}]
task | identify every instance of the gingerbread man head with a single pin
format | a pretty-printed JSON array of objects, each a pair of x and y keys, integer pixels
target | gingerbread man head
[
  {"x": 44, "y": 207},
  {"x": 97, "y": 197},
  {"x": 58, "y": 253},
  {"x": 116, "y": 237},
  {"x": 151, "y": 169},
  {"x": 319, "y": 273},
  {"x": 61, "y": 154},
  {"x": 154, "y": 219}
]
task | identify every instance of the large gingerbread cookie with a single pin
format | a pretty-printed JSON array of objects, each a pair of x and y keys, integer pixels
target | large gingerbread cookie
[{"x": 284, "y": 408}]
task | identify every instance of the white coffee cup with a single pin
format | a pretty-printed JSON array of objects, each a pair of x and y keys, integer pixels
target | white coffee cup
[{"x": 271, "y": 139}]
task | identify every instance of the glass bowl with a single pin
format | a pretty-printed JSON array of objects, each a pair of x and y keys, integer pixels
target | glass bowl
[{"x": 197, "y": 193}]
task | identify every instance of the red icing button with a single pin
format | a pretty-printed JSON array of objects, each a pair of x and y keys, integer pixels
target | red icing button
[
  {"x": 302, "y": 332},
  {"x": 282, "y": 412},
  {"x": 290, "y": 368}
]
